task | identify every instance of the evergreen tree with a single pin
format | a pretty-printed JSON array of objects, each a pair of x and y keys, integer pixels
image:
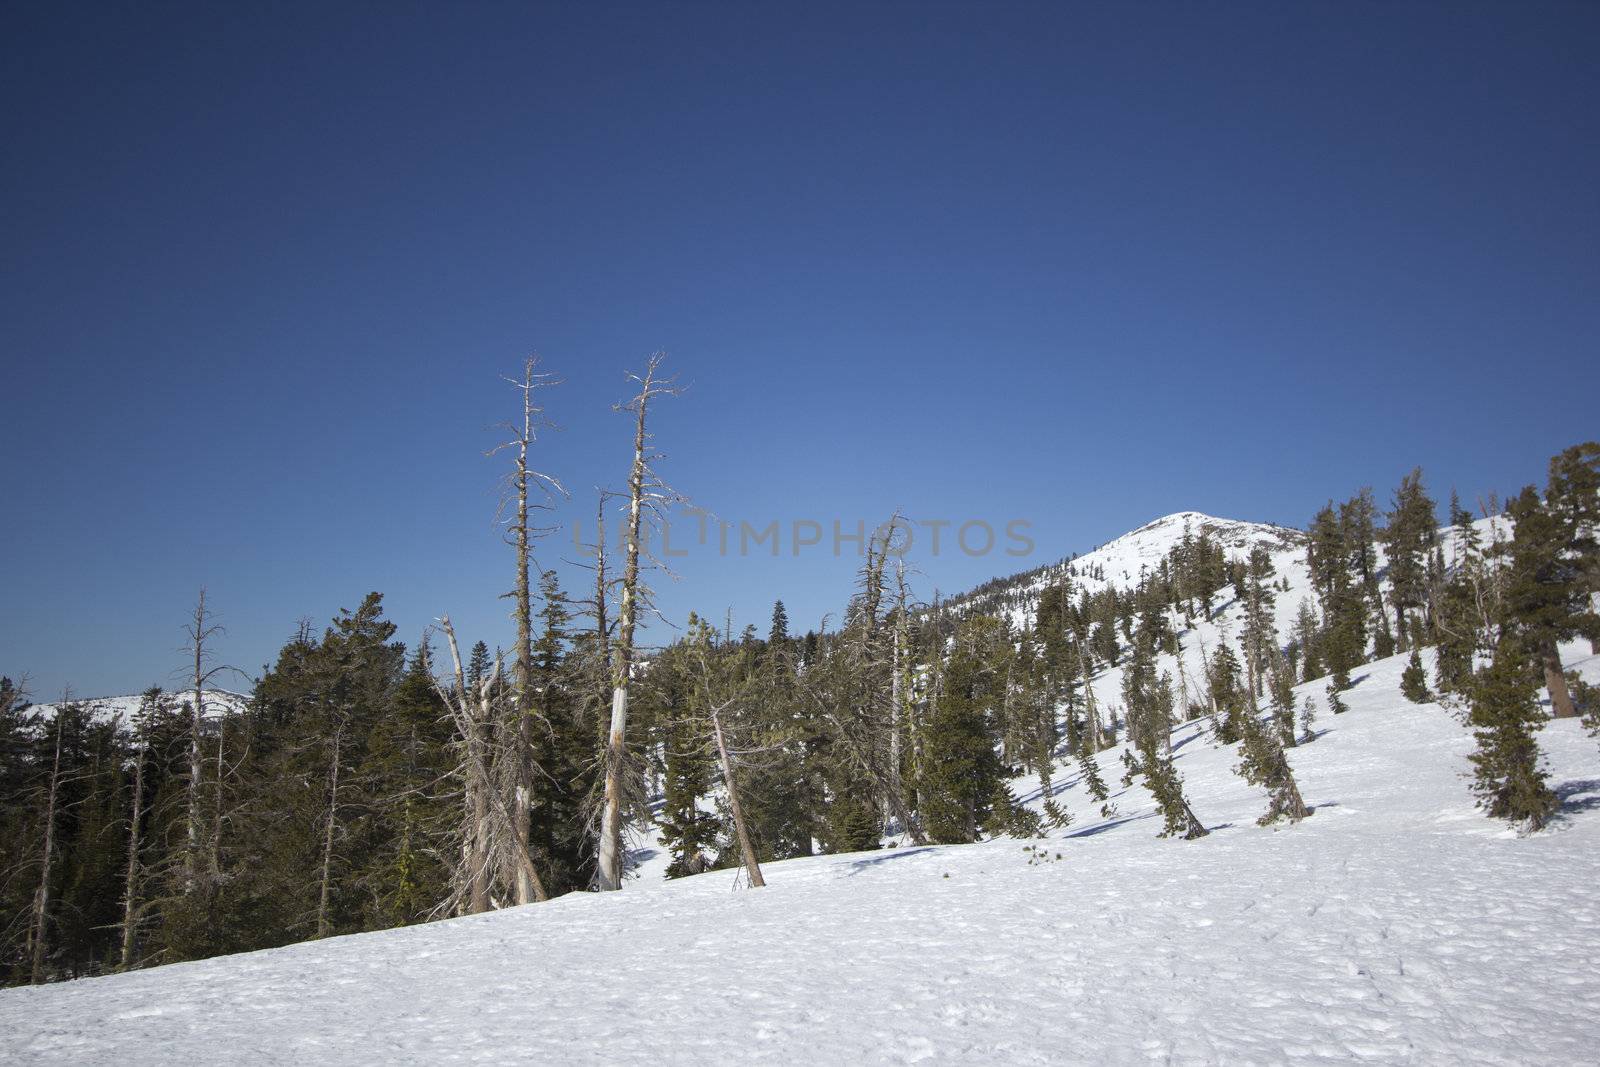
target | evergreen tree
[
  {"x": 1414, "y": 680},
  {"x": 689, "y": 831},
  {"x": 963, "y": 774},
  {"x": 1411, "y": 536},
  {"x": 1166, "y": 786},
  {"x": 1547, "y": 589},
  {"x": 1262, "y": 762},
  {"x": 1508, "y": 780},
  {"x": 1089, "y": 771},
  {"x": 1457, "y": 622}
]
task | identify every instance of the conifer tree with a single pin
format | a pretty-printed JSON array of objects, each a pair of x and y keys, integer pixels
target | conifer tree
[
  {"x": 1089, "y": 771},
  {"x": 1166, "y": 786},
  {"x": 1508, "y": 779},
  {"x": 1411, "y": 535},
  {"x": 689, "y": 831},
  {"x": 1414, "y": 680},
  {"x": 1458, "y": 617},
  {"x": 1262, "y": 762},
  {"x": 962, "y": 771},
  {"x": 1547, "y": 590}
]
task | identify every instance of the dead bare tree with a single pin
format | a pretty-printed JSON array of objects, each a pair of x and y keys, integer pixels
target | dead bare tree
[
  {"x": 201, "y": 629},
  {"x": 715, "y": 708},
  {"x": 648, "y": 499},
  {"x": 38, "y": 931},
  {"x": 524, "y": 484},
  {"x": 149, "y": 706},
  {"x": 330, "y": 828},
  {"x": 489, "y": 838}
]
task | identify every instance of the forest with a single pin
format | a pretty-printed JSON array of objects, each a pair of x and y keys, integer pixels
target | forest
[{"x": 369, "y": 781}]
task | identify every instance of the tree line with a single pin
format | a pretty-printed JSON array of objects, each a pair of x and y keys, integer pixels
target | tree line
[{"x": 371, "y": 784}]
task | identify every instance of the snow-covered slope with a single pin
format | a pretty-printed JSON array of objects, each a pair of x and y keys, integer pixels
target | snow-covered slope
[{"x": 1396, "y": 925}]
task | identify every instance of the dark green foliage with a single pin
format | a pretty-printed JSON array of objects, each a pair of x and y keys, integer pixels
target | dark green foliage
[
  {"x": 1505, "y": 716},
  {"x": 1166, "y": 785},
  {"x": 962, "y": 773},
  {"x": 688, "y": 829},
  {"x": 1262, "y": 762},
  {"x": 1411, "y": 536},
  {"x": 1548, "y": 589},
  {"x": 1089, "y": 771},
  {"x": 1458, "y": 621},
  {"x": 1414, "y": 680},
  {"x": 1230, "y": 698}
]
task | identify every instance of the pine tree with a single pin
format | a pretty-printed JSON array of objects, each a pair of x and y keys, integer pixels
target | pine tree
[
  {"x": 1166, "y": 786},
  {"x": 1414, "y": 680},
  {"x": 962, "y": 771},
  {"x": 1089, "y": 771},
  {"x": 1457, "y": 620},
  {"x": 1411, "y": 536},
  {"x": 1262, "y": 762},
  {"x": 689, "y": 831},
  {"x": 1505, "y": 716},
  {"x": 1547, "y": 590}
]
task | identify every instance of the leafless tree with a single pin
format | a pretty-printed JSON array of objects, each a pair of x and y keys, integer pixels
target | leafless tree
[
  {"x": 527, "y": 490},
  {"x": 38, "y": 931},
  {"x": 648, "y": 500},
  {"x": 490, "y": 843},
  {"x": 201, "y": 629},
  {"x": 149, "y": 706}
]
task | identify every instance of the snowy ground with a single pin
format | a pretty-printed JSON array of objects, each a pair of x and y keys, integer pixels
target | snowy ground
[{"x": 1397, "y": 925}]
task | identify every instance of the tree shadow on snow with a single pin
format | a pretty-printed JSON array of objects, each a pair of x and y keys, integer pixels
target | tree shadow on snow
[
  {"x": 1577, "y": 795},
  {"x": 858, "y": 866},
  {"x": 1100, "y": 828}
]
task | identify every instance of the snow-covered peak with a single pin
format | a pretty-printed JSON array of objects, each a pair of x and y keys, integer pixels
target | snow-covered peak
[{"x": 1124, "y": 561}]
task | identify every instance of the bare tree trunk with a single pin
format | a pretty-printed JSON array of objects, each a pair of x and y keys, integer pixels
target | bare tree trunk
[
  {"x": 602, "y": 623},
  {"x": 191, "y": 860},
  {"x": 746, "y": 849},
  {"x": 130, "y": 884},
  {"x": 1091, "y": 711},
  {"x": 897, "y": 684},
  {"x": 1555, "y": 682},
  {"x": 609, "y": 872},
  {"x": 41, "y": 899},
  {"x": 214, "y": 844},
  {"x": 330, "y": 824},
  {"x": 200, "y": 631},
  {"x": 523, "y": 480},
  {"x": 489, "y": 834}
]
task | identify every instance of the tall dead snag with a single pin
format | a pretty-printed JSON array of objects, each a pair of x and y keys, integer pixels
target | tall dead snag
[
  {"x": 489, "y": 838},
  {"x": 648, "y": 497},
  {"x": 714, "y": 711},
  {"x": 38, "y": 930},
  {"x": 522, "y": 483},
  {"x": 149, "y": 707},
  {"x": 330, "y": 827},
  {"x": 200, "y": 630},
  {"x": 469, "y": 712}
]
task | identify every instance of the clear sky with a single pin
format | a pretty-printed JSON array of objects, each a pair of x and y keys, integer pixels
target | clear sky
[{"x": 263, "y": 266}]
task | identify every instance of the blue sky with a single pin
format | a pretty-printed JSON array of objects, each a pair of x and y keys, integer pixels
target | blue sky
[{"x": 1080, "y": 265}]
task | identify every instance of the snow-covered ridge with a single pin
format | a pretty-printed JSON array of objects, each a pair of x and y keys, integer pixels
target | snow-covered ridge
[{"x": 219, "y": 703}]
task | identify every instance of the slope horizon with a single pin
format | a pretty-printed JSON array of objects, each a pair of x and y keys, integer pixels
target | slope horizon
[{"x": 176, "y": 678}]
